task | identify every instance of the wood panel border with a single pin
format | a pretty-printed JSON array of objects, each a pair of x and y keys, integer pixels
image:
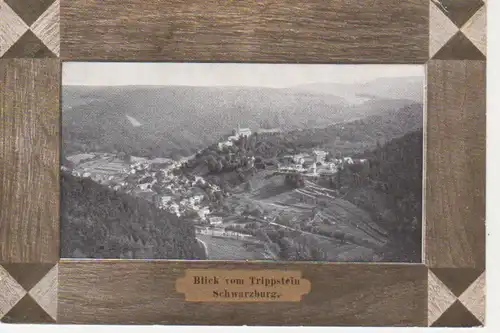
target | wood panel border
[
  {"x": 456, "y": 164},
  {"x": 29, "y": 160},
  {"x": 147, "y": 289},
  {"x": 385, "y": 31}
]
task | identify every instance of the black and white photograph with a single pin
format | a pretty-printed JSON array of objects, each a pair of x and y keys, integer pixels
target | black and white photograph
[{"x": 227, "y": 161}]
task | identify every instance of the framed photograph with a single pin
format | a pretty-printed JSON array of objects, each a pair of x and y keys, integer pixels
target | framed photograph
[{"x": 243, "y": 163}]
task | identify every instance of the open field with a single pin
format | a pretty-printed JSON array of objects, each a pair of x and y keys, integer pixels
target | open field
[
  {"x": 103, "y": 165},
  {"x": 221, "y": 248},
  {"x": 314, "y": 214}
]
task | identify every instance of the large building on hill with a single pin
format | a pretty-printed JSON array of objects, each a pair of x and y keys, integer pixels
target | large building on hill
[
  {"x": 241, "y": 132},
  {"x": 238, "y": 133}
]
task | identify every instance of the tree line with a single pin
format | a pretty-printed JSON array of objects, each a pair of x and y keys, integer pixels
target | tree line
[{"x": 98, "y": 222}]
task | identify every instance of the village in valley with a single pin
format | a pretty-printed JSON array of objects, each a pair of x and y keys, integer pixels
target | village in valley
[
  {"x": 232, "y": 161},
  {"x": 234, "y": 223}
]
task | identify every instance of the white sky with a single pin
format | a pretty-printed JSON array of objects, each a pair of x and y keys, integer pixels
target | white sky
[{"x": 227, "y": 74}]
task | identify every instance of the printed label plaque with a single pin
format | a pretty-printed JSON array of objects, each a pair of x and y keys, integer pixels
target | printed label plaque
[{"x": 200, "y": 285}]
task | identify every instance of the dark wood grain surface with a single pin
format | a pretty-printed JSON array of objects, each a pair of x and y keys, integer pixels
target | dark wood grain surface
[
  {"x": 456, "y": 152},
  {"x": 355, "y": 31},
  {"x": 29, "y": 160},
  {"x": 143, "y": 292}
]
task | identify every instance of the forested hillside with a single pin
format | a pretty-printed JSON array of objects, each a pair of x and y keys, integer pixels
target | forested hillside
[
  {"x": 344, "y": 139},
  {"x": 175, "y": 121},
  {"x": 389, "y": 187},
  {"x": 356, "y": 136},
  {"x": 178, "y": 120},
  {"x": 98, "y": 222},
  {"x": 410, "y": 88}
]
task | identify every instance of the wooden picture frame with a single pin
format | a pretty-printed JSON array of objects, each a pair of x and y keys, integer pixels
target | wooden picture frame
[{"x": 449, "y": 36}]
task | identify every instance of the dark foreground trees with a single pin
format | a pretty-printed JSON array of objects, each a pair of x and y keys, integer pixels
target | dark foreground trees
[
  {"x": 97, "y": 222},
  {"x": 389, "y": 187}
]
